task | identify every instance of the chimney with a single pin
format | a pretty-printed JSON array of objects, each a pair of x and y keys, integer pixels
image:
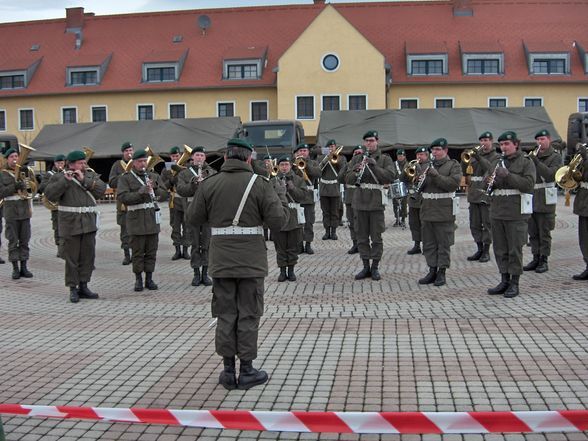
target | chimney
[
  {"x": 74, "y": 19},
  {"x": 462, "y": 8},
  {"x": 319, "y": 2}
]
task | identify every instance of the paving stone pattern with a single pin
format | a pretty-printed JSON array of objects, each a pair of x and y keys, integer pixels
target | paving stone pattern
[{"x": 329, "y": 343}]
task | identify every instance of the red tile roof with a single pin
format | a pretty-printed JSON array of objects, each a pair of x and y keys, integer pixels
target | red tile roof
[
  {"x": 548, "y": 46},
  {"x": 481, "y": 47},
  {"x": 87, "y": 60},
  {"x": 163, "y": 56},
  {"x": 244, "y": 53}
]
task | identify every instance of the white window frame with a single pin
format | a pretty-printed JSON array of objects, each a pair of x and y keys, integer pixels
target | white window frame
[
  {"x": 147, "y": 66},
  {"x": 334, "y": 54},
  {"x": 525, "y": 98},
  {"x": 71, "y": 70},
  {"x": 578, "y": 101},
  {"x": 505, "y": 98},
  {"x": 367, "y": 102},
  {"x": 145, "y": 104},
  {"x": 6, "y": 120},
  {"x": 332, "y": 94},
  {"x": 313, "y": 107},
  {"x": 227, "y": 63},
  {"x": 12, "y": 73},
  {"x": 409, "y": 98},
  {"x": 251, "y": 109},
  {"x": 95, "y": 106},
  {"x": 177, "y": 104},
  {"x": 427, "y": 57},
  {"x": 234, "y": 103},
  {"x": 549, "y": 56},
  {"x": 19, "y": 121},
  {"x": 70, "y": 107},
  {"x": 444, "y": 98},
  {"x": 474, "y": 56}
]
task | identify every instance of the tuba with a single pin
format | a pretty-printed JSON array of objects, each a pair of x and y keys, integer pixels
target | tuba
[
  {"x": 89, "y": 153},
  {"x": 179, "y": 166},
  {"x": 569, "y": 176},
  {"x": 24, "y": 173}
]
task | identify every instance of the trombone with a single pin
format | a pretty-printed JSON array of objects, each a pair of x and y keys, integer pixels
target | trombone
[
  {"x": 533, "y": 153},
  {"x": 300, "y": 164},
  {"x": 332, "y": 157}
]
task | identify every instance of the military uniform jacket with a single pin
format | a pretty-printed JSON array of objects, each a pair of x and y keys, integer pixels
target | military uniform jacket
[
  {"x": 170, "y": 182},
  {"x": 440, "y": 210},
  {"x": 297, "y": 193},
  {"x": 69, "y": 194},
  {"x": 546, "y": 165},
  {"x": 483, "y": 165},
  {"x": 382, "y": 173},
  {"x": 216, "y": 204},
  {"x": 521, "y": 177},
  {"x": 116, "y": 171},
  {"x": 142, "y": 221},
  {"x": 17, "y": 209},
  {"x": 349, "y": 188},
  {"x": 260, "y": 168},
  {"x": 187, "y": 185},
  {"x": 581, "y": 200},
  {"x": 46, "y": 178},
  {"x": 415, "y": 200},
  {"x": 328, "y": 184},
  {"x": 314, "y": 173}
]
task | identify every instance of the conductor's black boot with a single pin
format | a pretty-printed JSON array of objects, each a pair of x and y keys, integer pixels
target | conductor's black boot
[
  {"x": 85, "y": 292},
  {"x": 327, "y": 234},
  {"x": 374, "y": 270},
  {"x": 513, "y": 287},
  {"x": 416, "y": 249},
  {"x": 138, "y": 282},
  {"x": 149, "y": 283},
  {"x": 334, "y": 233},
  {"x": 308, "y": 249},
  {"x": 228, "y": 377},
  {"x": 532, "y": 265},
  {"x": 282, "y": 277},
  {"x": 186, "y": 253},
  {"x": 582, "y": 276},
  {"x": 291, "y": 275},
  {"x": 430, "y": 277},
  {"x": 196, "y": 279},
  {"x": 502, "y": 286},
  {"x": 485, "y": 257},
  {"x": 353, "y": 249},
  {"x": 74, "y": 295},
  {"x": 477, "y": 254},
  {"x": 15, "y": 271},
  {"x": 24, "y": 272},
  {"x": 178, "y": 253},
  {"x": 542, "y": 267},
  {"x": 205, "y": 279},
  {"x": 127, "y": 258},
  {"x": 365, "y": 272},
  {"x": 440, "y": 278},
  {"x": 249, "y": 376}
]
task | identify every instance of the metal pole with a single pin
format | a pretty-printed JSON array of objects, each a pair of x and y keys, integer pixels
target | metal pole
[{"x": 2, "y": 437}]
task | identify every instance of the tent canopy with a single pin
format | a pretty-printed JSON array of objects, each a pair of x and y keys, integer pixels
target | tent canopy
[
  {"x": 410, "y": 128},
  {"x": 105, "y": 138}
]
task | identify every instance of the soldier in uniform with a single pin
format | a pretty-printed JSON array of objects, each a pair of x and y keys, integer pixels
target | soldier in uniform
[
  {"x": 348, "y": 197},
  {"x": 482, "y": 162},
  {"x": 287, "y": 238},
  {"x": 140, "y": 190},
  {"x": 542, "y": 221},
  {"x": 236, "y": 203},
  {"x": 189, "y": 181},
  {"x": 581, "y": 209},
  {"x": 511, "y": 187},
  {"x": 438, "y": 210},
  {"x": 311, "y": 173},
  {"x": 329, "y": 190},
  {"x": 58, "y": 166},
  {"x": 415, "y": 198},
  {"x": 400, "y": 204},
  {"x": 75, "y": 191},
  {"x": 180, "y": 234},
  {"x": 17, "y": 214},
  {"x": 369, "y": 173},
  {"x": 118, "y": 168}
]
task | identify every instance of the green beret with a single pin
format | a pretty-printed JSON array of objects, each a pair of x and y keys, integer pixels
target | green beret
[
  {"x": 370, "y": 134},
  {"x": 422, "y": 149},
  {"x": 264, "y": 157},
  {"x": 400, "y": 152},
  {"x": 140, "y": 154},
  {"x": 76, "y": 155},
  {"x": 59, "y": 158},
  {"x": 237, "y": 142},
  {"x": 126, "y": 145},
  {"x": 330, "y": 142},
  {"x": 285, "y": 158},
  {"x": 9, "y": 152},
  {"x": 486, "y": 135},
  {"x": 301, "y": 146},
  {"x": 357, "y": 147},
  {"x": 174, "y": 150},
  {"x": 542, "y": 133},
  {"x": 198, "y": 149},
  {"x": 439, "y": 142},
  {"x": 508, "y": 136}
]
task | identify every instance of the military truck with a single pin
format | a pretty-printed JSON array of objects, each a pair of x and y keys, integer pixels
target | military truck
[
  {"x": 577, "y": 132},
  {"x": 277, "y": 137},
  {"x": 7, "y": 141}
]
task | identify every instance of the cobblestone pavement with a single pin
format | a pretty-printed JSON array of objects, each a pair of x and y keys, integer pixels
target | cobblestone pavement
[{"x": 327, "y": 341}]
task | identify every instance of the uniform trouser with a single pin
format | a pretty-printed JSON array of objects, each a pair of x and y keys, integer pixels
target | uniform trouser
[
  {"x": 79, "y": 252},
  {"x": 351, "y": 220},
  {"x": 400, "y": 206},
  {"x": 237, "y": 304},
  {"x": 1, "y": 218},
  {"x": 200, "y": 240},
  {"x": 144, "y": 249},
  {"x": 480, "y": 223},
  {"x": 540, "y": 226},
  {"x": 341, "y": 211},
  {"x": 438, "y": 237},
  {"x": 18, "y": 234},
  {"x": 509, "y": 237},
  {"x": 330, "y": 209},
  {"x": 287, "y": 244},
  {"x": 55, "y": 226},
  {"x": 583, "y": 236},
  {"x": 121, "y": 219},
  {"x": 369, "y": 225},
  {"x": 180, "y": 234},
  {"x": 308, "y": 230},
  {"x": 414, "y": 223}
]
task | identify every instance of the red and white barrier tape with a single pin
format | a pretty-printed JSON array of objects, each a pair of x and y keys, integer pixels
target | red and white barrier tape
[{"x": 333, "y": 422}]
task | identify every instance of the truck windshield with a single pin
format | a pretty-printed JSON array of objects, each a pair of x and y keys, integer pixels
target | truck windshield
[{"x": 271, "y": 136}]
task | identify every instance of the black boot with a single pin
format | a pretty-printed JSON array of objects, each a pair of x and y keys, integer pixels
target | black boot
[
  {"x": 334, "y": 233},
  {"x": 502, "y": 286},
  {"x": 440, "y": 278},
  {"x": 301, "y": 248},
  {"x": 15, "y": 271},
  {"x": 430, "y": 277},
  {"x": 186, "y": 254},
  {"x": 282, "y": 277},
  {"x": 485, "y": 257},
  {"x": 416, "y": 249},
  {"x": 365, "y": 272},
  {"x": 138, "y": 282},
  {"x": 532, "y": 264},
  {"x": 327, "y": 234},
  {"x": 2, "y": 261},
  {"x": 205, "y": 279},
  {"x": 24, "y": 272},
  {"x": 396, "y": 223},
  {"x": 374, "y": 270},
  {"x": 513, "y": 287},
  {"x": 127, "y": 259},
  {"x": 308, "y": 249},
  {"x": 249, "y": 376},
  {"x": 353, "y": 249},
  {"x": 477, "y": 254},
  {"x": 403, "y": 223},
  {"x": 582, "y": 276},
  {"x": 196, "y": 279},
  {"x": 178, "y": 254},
  {"x": 542, "y": 267},
  {"x": 228, "y": 378},
  {"x": 74, "y": 295},
  {"x": 149, "y": 283},
  {"x": 85, "y": 292},
  {"x": 291, "y": 275}
]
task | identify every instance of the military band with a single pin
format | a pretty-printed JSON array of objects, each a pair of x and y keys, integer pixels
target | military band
[
  {"x": 117, "y": 170},
  {"x": 400, "y": 204},
  {"x": 309, "y": 170},
  {"x": 58, "y": 167},
  {"x": 329, "y": 188}
]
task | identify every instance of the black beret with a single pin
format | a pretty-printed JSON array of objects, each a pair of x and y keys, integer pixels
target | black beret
[
  {"x": 174, "y": 150},
  {"x": 508, "y": 136},
  {"x": 237, "y": 142},
  {"x": 301, "y": 146},
  {"x": 542, "y": 133},
  {"x": 486, "y": 135},
  {"x": 400, "y": 152},
  {"x": 357, "y": 147},
  {"x": 284, "y": 159},
  {"x": 125, "y": 145},
  {"x": 439, "y": 142},
  {"x": 422, "y": 149},
  {"x": 330, "y": 142},
  {"x": 9, "y": 152},
  {"x": 370, "y": 134},
  {"x": 140, "y": 154},
  {"x": 198, "y": 149},
  {"x": 76, "y": 155},
  {"x": 59, "y": 157}
]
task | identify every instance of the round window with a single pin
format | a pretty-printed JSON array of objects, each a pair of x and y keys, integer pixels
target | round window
[{"x": 330, "y": 62}]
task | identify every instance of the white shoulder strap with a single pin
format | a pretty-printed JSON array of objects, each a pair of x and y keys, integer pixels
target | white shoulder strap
[{"x": 244, "y": 199}]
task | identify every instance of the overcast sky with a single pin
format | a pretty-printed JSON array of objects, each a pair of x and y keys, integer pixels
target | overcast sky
[{"x": 11, "y": 10}]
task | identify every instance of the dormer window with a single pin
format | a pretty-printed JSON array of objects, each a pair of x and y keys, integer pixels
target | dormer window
[
  {"x": 163, "y": 67},
  {"x": 12, "y": 80},
  {"x": 550, "y": 58},
  {"x": 87, "y": 70},
  {"x": 544, "y": 65},
  {"x": 156, "y": 74},
  {"x": 245, "y": 63},
  {"x": 242, "y": 71},
  {"x": 481, "y": 57},
  {"x": 427, "y": 66},
  {"x": 83, "y": 77}
]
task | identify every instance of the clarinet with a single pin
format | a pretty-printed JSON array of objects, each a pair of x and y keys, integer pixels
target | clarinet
[
  {"x": 492, "y": 178},
  {"x": 422, "y": 178},
  {"x": 152, "y": 191},
  {"x": 364, "y": 162}
]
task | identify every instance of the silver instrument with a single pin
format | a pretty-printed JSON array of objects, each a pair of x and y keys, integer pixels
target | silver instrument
[
  {"x": 363, "y": 164},
  {"x": 492, "y": 179},
  {"x": 422, "y": 178}
]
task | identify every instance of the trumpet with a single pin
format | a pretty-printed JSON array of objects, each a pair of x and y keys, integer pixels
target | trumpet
[
  {"x": 410, "y": 169},
  {"x": 569, "y": 176},
  {"x": 466, "y": 155},
  {"x": 533, "y": 153},
  {"x": 332, "y": 157},
  {"x": 24, "y": 173}
]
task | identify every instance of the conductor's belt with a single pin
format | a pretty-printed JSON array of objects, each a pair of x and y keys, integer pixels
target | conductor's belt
[
  {"x": 310, "y": 187},
  {"x": 328, "y": 181},
  {"x": 13, "y": 198},
  {"x": 78, "y": 209},
  {"x": 477, "y": 178},
  {"x": 293, "y": 205},
  {"x": 584, "y": 185},
  {"x": 144, "y": 206},
  {"x": 506, "y": 192},
  {"x": 349, "y": 186},
  {"x": 544, "y": 185},
  {"x": 372, "y": 186},
  {"x": 438, "y": 195},
  {"x": 236, "y": 230}
]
